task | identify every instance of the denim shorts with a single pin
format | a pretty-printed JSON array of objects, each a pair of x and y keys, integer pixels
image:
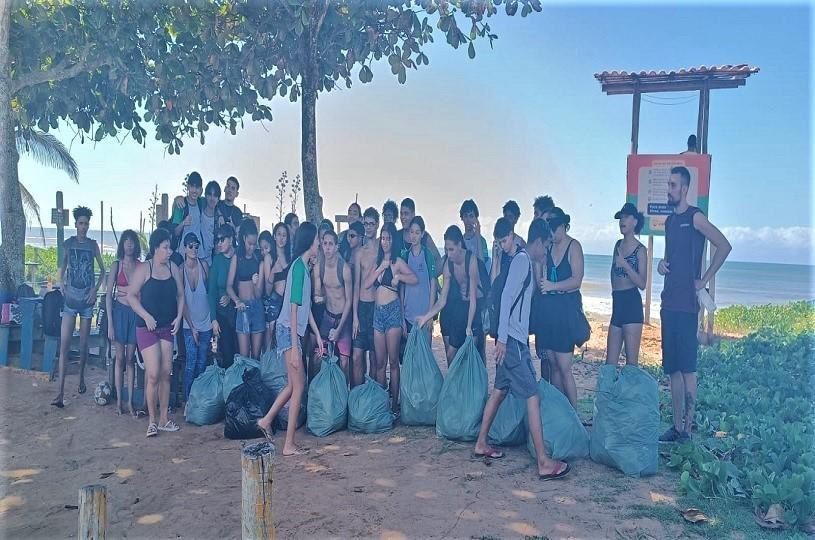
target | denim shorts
[
  {"x": 272, "y": 305},
  {"x": 388, "y": 317},
  {"x": 251, "y": 320},
  {"x": 283, "y": 338},
  {"x": 84, "y": 313},
  {"x": 124, "y": 324}
]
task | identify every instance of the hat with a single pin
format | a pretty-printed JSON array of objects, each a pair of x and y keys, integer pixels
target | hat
[
  {"x": 628, "y": 209},
  {"x": 191, "y": 237}
]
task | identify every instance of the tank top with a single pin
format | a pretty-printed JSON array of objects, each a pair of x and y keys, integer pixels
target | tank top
[
  {"x": 417, "y": 297},
  {"x": 247, "y": 267},
  {"x": 197, "y": 301},
  {"x": 683, "y": 252},
  {"x": 158, "y": 297},
  {"x": 617, "y": 271},
  {"x": 563, "y": 270}
]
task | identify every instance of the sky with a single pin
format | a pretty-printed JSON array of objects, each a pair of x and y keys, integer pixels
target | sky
[{"x": 523, "y": 119}]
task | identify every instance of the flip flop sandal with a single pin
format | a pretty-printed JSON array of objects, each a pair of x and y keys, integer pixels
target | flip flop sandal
[
  {"x": 169, "y": 426},
  {"x": 555, "y": 476},
  {"x": 266, "y": 434},
  {"x": 58, "y": 403},
  {"x": 82, "y": 388},
  {"x": 152, "y": 430},
  {"x": 495, "y": 454}
]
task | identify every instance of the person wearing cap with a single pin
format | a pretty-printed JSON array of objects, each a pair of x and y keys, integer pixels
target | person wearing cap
[
  {"x": 197, "y": 324},
  {"x": 628, "y": 274},
  {"x": 564, "y": 325},
  {"x": 685, "y": 232},
  {"x": 221, "y": 308},
  {"x": 514, "y": 372},
  {"x": 187, "y": 214}
]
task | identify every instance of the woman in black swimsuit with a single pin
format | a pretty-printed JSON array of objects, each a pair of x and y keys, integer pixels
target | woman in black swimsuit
[
  {"x": 275, "y": 268},
  {"x": 628, "y": 272},
  {"x": 156, "y": 294},
  {"x": 562, "y": 305}
]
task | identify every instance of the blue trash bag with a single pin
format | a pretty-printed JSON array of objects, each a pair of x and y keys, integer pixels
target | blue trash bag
[
  {"x": 247, "y": 403},
  {"x": 327, "y": 399},
  {"x": 463, "y": 395},
  {"x": 368, "y": 408},
  {"x": 234, "y": 373},
  {"x": 625, "y": 432},
  {"x": 509, "y": 426},
  {"x": 564, "y": 435},
  {"x": 420, "y": 381},
  {"x": 276, "y": 376},
  {"x": 206, "y": 403}
]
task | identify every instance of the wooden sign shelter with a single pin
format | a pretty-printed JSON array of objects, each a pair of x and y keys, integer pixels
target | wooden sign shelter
[{"x": 702, "y": 79}]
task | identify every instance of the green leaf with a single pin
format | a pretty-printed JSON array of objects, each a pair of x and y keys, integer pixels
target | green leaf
[{"x": 471, "y": 50}]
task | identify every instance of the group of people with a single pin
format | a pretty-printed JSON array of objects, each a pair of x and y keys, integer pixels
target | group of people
[{"x": 304, "y": 290}]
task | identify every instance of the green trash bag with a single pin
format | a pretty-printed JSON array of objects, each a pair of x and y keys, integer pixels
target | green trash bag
[
  {"x": 276, "y": 376},
  {"x": 327, "y": 399},
  {"x": 625, "y": 434},
  {"x": 420, "y": 381},
  {"x": 564, "y": 435},
  {"x": 268, "y": 373},
  {"x": 509, "y": 426},
  {"x": 368, "y": 408},
  {"x": 234, "y": 373},
  {"x": 463, "y": 395},
  {"x": 206, "y": 403}
]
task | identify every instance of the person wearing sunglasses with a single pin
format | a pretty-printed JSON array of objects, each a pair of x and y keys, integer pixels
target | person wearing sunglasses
[
  {"x": 221, "y": 309},
  {"x": 197, "y": 325}
]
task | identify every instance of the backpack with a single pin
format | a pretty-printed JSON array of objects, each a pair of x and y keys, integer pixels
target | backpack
[
  {"x": 52, "y": 313},
  {"x": 496, "y": 292}
]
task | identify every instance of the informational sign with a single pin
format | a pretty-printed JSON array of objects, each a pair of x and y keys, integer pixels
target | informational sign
[
  {"x": 647, "y": 189},
  {"x": 58, "y": 218}
]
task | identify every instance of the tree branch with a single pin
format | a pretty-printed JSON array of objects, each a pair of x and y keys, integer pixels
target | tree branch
[
  {"x": 320, "y": 20},
  {"x": 62, "y": 71}
]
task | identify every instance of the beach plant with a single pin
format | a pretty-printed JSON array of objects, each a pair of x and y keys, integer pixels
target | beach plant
[
  {"x": 792, "y": 317},
  {"x": 756, "y": 426},
  {"x": 280, "y": 188}
]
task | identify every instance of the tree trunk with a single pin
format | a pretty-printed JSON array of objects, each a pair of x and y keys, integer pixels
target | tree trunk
[
  {"x": 308, "y": 145},
  {"x": 12, "y": 217}
]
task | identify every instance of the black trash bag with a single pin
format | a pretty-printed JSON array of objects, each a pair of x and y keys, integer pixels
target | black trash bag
[{"x": 247, "y": 403}]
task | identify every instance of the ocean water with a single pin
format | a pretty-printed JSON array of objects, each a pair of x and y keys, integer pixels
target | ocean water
[{"x": 736, "y": 282}]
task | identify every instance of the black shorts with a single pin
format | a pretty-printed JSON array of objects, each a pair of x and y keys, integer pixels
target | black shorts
[
  {"x": 679, "y": 342},
  {"x": 626, "y": 307},
  {"x": 557, "y": 333},
  {"x": 453, "y": 322},
  {"x": 365, "y": 337}
]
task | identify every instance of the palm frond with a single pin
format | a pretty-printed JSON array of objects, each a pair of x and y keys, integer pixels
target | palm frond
[
  {"x": 30, "y": 205},
  {"x": 47, "y": 150}
]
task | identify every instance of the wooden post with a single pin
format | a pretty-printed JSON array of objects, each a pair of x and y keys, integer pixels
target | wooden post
[
  {"x": 60, "y": 228},
  {"x": 649, "y": 278},
  {"x": 712, "y": 284},
  {"x": 257, "y": 467},
  {"x": 635, "y": 123},
  {"x": 102, "y": 227},
  {"x": 93, "y": 512}
]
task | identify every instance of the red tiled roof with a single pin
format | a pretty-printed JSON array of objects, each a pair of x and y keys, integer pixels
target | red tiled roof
[{"x": 726, "y": 71}]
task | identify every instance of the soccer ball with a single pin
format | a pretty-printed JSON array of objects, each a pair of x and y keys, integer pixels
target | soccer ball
[{"x": 103, "y": 393}]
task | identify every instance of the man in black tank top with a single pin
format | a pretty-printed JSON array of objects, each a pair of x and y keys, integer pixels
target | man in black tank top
[{"x": 685, "y": 233}]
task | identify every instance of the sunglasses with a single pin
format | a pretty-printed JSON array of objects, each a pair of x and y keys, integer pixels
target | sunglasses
[{"x": 193, "y": 246}]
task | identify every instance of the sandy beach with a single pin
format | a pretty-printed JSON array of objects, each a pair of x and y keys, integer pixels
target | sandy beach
[{"x": 404, "y": 483}]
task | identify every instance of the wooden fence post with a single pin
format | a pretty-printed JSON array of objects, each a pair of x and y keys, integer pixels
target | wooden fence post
[
  {"x": 257, "y": 518},
  {"x": 93, "y": 512}
]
